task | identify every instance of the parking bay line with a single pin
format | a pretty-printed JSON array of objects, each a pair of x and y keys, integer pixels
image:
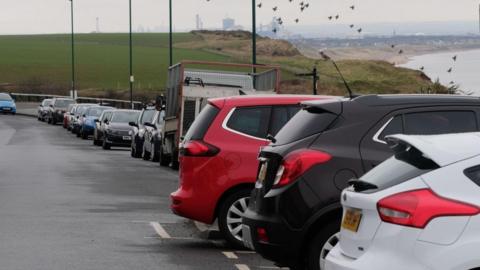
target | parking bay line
[
  {"x": 242, "y": 267},
  {"x": 230, "y": 255},
  {"x": 160, "y": 230}
]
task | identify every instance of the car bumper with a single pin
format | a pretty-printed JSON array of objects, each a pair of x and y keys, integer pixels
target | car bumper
[
  {"x": 185, "y": 204},
  {"x": 118, "y": 140},
  {"x": 8, "y": 110},
  {"x": 283, "y": 246},
  {"x": 88, "y": 130}
]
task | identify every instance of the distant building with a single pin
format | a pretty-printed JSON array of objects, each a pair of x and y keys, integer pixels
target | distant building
[{"x": 228, "y": 24}]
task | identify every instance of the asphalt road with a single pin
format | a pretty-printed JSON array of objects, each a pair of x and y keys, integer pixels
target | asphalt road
[{"x": 65, "y": 204}]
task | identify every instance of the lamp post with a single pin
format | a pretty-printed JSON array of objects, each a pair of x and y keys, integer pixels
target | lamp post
[
  {"x": 74, "y": 91},
  {"x": 170, "y": 33},
  {"x": 132, "y": 78},
  {"x": 254, "y": 32}
]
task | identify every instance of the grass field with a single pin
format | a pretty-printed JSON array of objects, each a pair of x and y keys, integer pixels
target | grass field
[
  {"x": 42, "y": 63},
  {"x": 102, "y": 60}
]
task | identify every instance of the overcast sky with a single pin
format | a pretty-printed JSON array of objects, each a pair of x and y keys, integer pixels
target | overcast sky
[{"x": 53, "y": 16}]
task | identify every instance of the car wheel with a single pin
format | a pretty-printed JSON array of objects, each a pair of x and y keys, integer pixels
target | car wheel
[
  {"x": 321, "y": 244},
  {"x": 163, "y": 159},
  {"x": 105, "y": 145},
  {"x": 155, "y": 154},
  {"x": 230, "y": 217},
  {"x": 132, "y": 151},
  {"x": 84, "y": 135},
  {"x": 54, "y": 121}
]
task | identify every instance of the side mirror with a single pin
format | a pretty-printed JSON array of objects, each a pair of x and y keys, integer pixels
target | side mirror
[
  {"x": 51, "y": 105},
  {"x": 84, "y": 115},
  {"x": 105, "y": 121},
  {"x": 96, "y": 120},
  {"x": 132, "y": 124}
]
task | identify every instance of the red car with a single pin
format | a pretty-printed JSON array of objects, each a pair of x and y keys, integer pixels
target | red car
[{"x": 218, "y": 157}]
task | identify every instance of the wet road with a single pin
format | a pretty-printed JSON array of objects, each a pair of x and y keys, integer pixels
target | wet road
[{"x": 66, "y": 204}]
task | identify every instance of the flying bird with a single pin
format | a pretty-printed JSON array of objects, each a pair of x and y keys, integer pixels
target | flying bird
[
  {"x": 400, "y": 52},
  {"x": 352, "y": 7},
  {"x": 259, "y": 5},
  {"x": 450, "y": 70},
  {"x": 422, "y": 68},
  {"x": 352, "y": 25},
  {"x": 297, "y": 20},
  {"x": 337, "y": 17},
  {"x": 393, "y": 46},
  {"x": 330, "y": 17},
  {"x": 275, "y": 8},
  {"x": 359, "y": 30},
  {"x": 454, "y": 58}
]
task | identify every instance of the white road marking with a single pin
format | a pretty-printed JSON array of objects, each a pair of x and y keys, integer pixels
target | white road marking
[
  {"x": 160, "y": 230},
  {"x": 242, "y": 267},
  {"x": 201, "y": 226},
  {"x": 230, "y": 255}
]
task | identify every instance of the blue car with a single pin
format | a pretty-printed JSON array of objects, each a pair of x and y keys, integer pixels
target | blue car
[
  {"x": 88, "y": 120},
  {"x": 7, "y": 104}
]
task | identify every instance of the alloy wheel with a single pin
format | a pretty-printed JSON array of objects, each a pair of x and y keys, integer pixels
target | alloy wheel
[
  {"x": 234, "y": 217},
  {"x": 331, "y": 242}
]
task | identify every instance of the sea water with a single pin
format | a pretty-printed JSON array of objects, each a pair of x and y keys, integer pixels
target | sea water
[{"x": 465, "y": 70}]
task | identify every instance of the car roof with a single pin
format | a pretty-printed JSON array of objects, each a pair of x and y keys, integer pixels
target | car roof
[
  {"x": 256, "y": 100},
  {"x": 443, "y": 149},
  {"x": 388, "y": 100}
]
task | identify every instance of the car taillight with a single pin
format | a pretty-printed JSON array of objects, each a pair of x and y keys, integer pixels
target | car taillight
[
  {"x": 199, "y": 149},
  {"x": 297, "y": 163},
  {"x": 418, "y": 207}
]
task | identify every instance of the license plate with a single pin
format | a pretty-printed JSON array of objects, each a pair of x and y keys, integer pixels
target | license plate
[
  {"x": 351, "y": 220},
  {"x": 127, "y": 138},
  {"x": 7, "y": 109},
  {"x": 263, "y": 172}
]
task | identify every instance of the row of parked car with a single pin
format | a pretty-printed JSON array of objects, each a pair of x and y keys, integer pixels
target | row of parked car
[
  {"x": 319, "y": 182},
  {"x": 310, "y": 182}
]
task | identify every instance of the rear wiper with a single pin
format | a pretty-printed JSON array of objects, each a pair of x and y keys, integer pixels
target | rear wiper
[{"x": 359, "y": 185}]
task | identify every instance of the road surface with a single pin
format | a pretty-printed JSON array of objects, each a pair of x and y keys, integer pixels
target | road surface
[{"x": 65, "y": 204}]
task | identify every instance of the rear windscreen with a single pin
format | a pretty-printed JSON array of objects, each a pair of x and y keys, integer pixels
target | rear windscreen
[
  {"x": 304, "y": 124},
  {"x": 404, "y": 166},
  {"x": 200, "y": 126}
]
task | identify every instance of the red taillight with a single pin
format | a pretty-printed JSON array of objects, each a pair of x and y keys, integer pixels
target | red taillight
[
  {"x": 418, "y": 207},
  {"x": 262, "y": 235},
  {"x": 199, "y": 149},
  {"x": 297, "y": 163}
]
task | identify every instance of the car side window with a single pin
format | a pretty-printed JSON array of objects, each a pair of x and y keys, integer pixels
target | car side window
[
  {"x": 280, "y": 116},
  {"x": 395, "y": 126},
  {"x": 440, "y": 122},
  {"x": 252, "y": 121}
]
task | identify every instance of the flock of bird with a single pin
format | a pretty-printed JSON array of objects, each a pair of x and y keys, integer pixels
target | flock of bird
[{"x": 303, "y": 5}]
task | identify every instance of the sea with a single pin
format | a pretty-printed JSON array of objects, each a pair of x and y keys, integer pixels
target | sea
[{"x": 465, "y": 71}]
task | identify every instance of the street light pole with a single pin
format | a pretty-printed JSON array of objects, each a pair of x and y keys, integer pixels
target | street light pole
[
  {"x": 254, "y": 32},
  {"x": 132, "y": 78},
  {"x": 170, "y": 32},
  {"x": 74, "y": 92}
]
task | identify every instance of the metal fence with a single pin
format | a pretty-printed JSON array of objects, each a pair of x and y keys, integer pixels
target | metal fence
[{"x": 117, "y": 103}]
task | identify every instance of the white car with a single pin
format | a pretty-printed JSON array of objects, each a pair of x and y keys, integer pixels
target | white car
[{"x": 418, "y": 210}]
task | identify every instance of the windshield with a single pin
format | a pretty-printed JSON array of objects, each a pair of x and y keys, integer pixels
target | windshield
[
  {"x": 161, "y": 117},
  {"x": 96, "y": 111},
  {"x": 63, "y": 103},
  {"x": 46, "y": 102},
  {"x": 125, "y": 117},
  {"x": 148, "y": 116},
  {"x": 5, "y": 97}
]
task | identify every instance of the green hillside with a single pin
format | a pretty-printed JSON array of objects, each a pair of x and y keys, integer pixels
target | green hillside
[{"x": 41, "y": 64}]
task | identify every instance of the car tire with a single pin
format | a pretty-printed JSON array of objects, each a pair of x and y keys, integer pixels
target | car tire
[
  {"x": 54, "y": 121},
  {"x": 322, "y": 242},
  {"x": 155, "y": 154},
  {"x": 163, "y": 159},
  {"x": 230, "y": 217},
  {"x": 105, "y": 145},
  {"x": 84, "y": 135}
]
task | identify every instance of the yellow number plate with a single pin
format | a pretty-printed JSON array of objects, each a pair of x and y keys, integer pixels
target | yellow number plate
[{"x": 351, "y": 220}]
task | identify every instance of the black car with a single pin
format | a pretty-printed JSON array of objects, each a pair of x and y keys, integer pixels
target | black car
[
  {"x": 56, "y": 109},
  {"x": 42, "y": 109},
  {"x": 117, "y": 131},
  {"x": 295, "y": 207},
  {"x": 153, "y": 137},
  {"x": 100, "y": 125},
  {"x": 138, "y": 129}
]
